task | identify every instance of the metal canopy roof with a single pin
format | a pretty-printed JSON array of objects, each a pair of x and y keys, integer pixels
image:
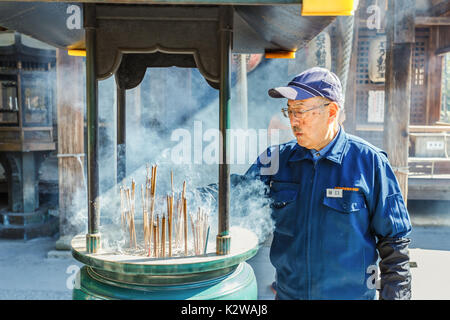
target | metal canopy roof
[{"x": 258, "y": 28}]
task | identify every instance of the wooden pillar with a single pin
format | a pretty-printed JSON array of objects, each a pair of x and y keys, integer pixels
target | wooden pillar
[
  {"x": 223, "y": 240},
  {"x": 92, "y": 124},
  {"x": 121, "y": 135},
  {"x": 23, "y": 186},
  {"x": 30, "y": 182},
  {"x": 70, "y": 115},
  {"x": 400, "y": 40}
]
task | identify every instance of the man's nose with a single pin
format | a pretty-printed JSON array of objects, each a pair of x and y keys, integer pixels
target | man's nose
[{"x": 297, "y": 121}]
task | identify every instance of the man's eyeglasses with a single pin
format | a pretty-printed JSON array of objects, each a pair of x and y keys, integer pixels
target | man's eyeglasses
[{"x": 288, "y": 113}]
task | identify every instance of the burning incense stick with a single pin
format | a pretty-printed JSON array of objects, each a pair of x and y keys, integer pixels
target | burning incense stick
[
  {"x": 152, "y": 194},
  {"x": 133, "y": 207},
  {"x": 193, "y": 234},
  {"x": 148, "y": 226},
  {"x": 128, "y": 213},
  {"x": 200, "y": 231},
  {"x": 163, "y": 236},
  {"x": 206, "y": 241},
  {"x": 154, "y": 239},
  {"x": 154, "y": 179},
  {"x": 133, "y": 189},
  {"x": 169, "y": 221},
  {"x": 185, "y": 226},
  {"x": 144, "y": 216},
  {"x": 133, "y": 192},
  {"x": 178, "y": 225},
  {"x": 150, "y": 213},
  {"x": 122, "y": 209}
]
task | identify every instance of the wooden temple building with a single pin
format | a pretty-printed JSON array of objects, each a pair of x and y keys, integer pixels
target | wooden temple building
[{"x": 428, "y": 127}]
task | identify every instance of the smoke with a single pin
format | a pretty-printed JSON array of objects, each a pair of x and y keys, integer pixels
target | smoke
[
  {"x": 251, "y": 209},
  {"x": 162, "y": 105},
  {"x": 174, "y": 110}
]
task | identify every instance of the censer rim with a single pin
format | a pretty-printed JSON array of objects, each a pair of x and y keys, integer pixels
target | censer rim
[{"x": 129, "y": 264}]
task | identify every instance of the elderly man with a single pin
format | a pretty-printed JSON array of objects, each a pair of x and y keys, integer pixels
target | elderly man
[{"x": 337, "y": 206}]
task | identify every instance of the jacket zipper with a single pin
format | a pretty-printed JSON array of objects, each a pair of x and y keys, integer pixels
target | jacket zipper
[{"x": 308, "y": 238}]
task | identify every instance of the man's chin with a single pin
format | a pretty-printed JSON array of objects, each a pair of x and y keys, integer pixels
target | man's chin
[{"x": 302, "y": 143}]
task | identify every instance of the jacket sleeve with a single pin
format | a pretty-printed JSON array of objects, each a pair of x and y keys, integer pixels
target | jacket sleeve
[{"x": 391, "y": 224}]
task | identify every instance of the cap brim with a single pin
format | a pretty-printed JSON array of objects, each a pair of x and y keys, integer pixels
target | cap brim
[{"x": 291, "y": 93}]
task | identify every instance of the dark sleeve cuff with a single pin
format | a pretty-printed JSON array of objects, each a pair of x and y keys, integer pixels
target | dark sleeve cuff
[{"x": 394, "y": 269}]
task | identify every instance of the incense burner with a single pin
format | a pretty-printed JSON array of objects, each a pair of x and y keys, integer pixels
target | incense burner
[{"x": 110, "y": 275}]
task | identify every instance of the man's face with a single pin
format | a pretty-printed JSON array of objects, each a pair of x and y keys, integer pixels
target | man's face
[{"x": 312, "y": 127}]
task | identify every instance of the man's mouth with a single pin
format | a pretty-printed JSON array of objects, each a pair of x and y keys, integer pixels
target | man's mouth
[{"x": 296, "y": 131}]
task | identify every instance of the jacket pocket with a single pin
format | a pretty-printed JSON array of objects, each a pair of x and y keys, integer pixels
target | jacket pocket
[
  {"x": 350, "y": 202},
  {"x": 283, "y": 206}
]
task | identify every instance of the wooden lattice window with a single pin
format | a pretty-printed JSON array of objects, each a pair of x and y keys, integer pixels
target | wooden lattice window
[
  {"x": 362, "y": 72},
  {"x": 362, "y": 106},
  {"x": 419, "y": 78}
]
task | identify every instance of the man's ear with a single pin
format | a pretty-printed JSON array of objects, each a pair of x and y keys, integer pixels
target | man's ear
[{"x": 333, "y": 111}]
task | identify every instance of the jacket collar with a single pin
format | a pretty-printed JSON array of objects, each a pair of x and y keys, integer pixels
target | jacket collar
[{"x": 334, "y": 154}]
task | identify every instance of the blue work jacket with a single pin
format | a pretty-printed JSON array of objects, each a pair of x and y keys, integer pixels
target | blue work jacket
[{"x": 329, "y": 216}]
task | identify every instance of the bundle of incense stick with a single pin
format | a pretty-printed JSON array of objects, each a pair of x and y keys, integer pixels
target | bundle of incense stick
[
  {"x": 200, "y": 228},
  {"x": 163, "y": 231},
  {"x": 127, "y": 206}
]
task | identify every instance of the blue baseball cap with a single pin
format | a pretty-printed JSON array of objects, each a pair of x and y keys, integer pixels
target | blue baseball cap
[{"x": 314, "y": 82}]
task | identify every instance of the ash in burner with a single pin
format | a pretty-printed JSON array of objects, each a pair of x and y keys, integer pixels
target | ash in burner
[{"x": 143, "y": 252}]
